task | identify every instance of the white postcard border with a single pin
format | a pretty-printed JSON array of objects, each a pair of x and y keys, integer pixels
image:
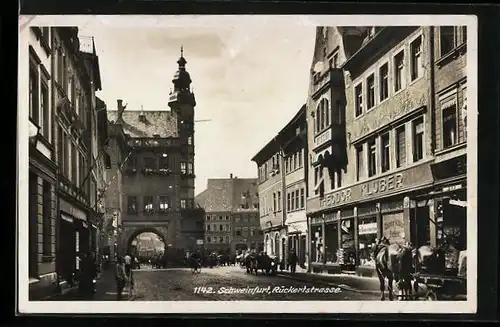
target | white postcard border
[{"x": 442, "y": 307}]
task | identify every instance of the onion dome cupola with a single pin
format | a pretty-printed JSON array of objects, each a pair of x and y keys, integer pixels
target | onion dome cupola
[{"x": 182, "y": 80}]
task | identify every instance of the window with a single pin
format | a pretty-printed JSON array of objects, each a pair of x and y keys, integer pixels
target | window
[
  {"x": 164, "y": 203},
  {"x": 221, "y": 228},
  {"x": 47, "y": 219},
  {"x": 183, "y": 167},
  {"x": 208, "y": 238},
  {"x": 274, "y": 202},
  {"x": 221, "y": 239},
  {"x": 385, "y": 152},
  {"x": 447, "y": 39},
  {"x": 45, "y": 35},
  {"x": 359, "y": 162},
  {"x": 384, "y": 82},
  {"x": 288, "y": 202},
  {"x": 252, "y": 231},
  {"x": 299, "y": 154},
  {"x": 297, "y": 199},
  {"x": 302, "y": 199},
  {"x": 449, "y": 126},
  {"x": 322, "y": 116},
  {"x": 209, "y": 227},
  {"x": 332, "y": 180},
  {"x": 74, "y": 160},
  {"x": 132, "y": 204},
  {"x": 226, "y": 238},
  {"x": 399, "y": 65},
  {"x": 44, "y": 105},
  {"x": 190, "y": 169},
  {"x": 183, "y": 203},
  {"x": 418, "y": 139},
  {"x": 279, "y": 201},
  {"x": 33, "y": 225},
  {"x": 190, "y": 140},
  {"x": 372, "y": 154},
  {"x": 33, "y": 95},
  {"x": 370, "y": 84},
  {"x": 149, "y": 163},
  {"x": 295, "y": 161},
  {"x": 208, "y": 217},
  {"x": 358, "y": 93},
  {"x": 148, "y": 204},
  {"x": 238, "y": 232},
  {"x": 292, "y": 197},
  {"x": 416, "y": 58},
  {"x": 400, "y": 146},
  {"x": 227, "y": 217}
]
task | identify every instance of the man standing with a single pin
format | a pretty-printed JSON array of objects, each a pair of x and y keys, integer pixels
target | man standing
[
  {"x": 128, "y": 264},
  {"x": 292, "y": 261}
]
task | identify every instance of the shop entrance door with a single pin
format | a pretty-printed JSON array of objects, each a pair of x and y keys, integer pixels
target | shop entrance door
[
  {"x": 302, "y": 252},
  {"x": 66, "y": 251}
]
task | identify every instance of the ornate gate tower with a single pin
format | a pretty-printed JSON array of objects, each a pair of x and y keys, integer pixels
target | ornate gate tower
[{"x": 182, "y": 102}]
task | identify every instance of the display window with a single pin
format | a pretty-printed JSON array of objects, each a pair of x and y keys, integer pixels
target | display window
[
  {"x": 367, "y": 237},
  {"x": 331, "y": 242},
  {"x": 347, "y": 253}
]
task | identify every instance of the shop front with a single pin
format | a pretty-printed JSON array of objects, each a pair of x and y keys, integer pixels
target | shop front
[
  {"x": 297, "y": 240},
  {"x": 350, "y": 220},
  {"x": 74, "y": 240}
]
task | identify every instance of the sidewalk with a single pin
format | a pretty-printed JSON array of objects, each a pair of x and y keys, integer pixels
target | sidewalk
[
  {"x": 367, "y": 285},
  {"x": 105, "y": 290}
]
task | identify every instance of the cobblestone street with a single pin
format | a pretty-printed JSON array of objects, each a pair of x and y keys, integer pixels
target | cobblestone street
[{"x": 214, "y": 284}]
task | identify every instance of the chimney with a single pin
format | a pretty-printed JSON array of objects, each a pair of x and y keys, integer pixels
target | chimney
[{"x": 231, "y": 176}]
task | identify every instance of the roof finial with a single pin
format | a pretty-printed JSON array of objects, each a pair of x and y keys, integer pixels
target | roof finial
[
  {"x": 182, "y": 51},
  {"x": 142, "y": 109}
]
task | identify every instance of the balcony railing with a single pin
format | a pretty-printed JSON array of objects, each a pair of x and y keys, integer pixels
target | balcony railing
[{"x": 153, "y": 142}]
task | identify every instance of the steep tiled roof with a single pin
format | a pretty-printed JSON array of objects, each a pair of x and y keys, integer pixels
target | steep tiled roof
[
  {"x": 160, "y": 123},
  {"x": 226, "y": 194}
]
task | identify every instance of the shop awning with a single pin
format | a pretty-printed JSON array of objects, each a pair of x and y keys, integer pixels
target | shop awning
[{"x": 67, "y": 218}]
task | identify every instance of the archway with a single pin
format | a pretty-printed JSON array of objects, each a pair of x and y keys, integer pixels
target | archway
[{"x": 149, "y": 246}]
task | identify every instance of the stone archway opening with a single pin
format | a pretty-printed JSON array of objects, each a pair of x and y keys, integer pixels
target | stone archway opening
[{"x": 149, "y": 246}]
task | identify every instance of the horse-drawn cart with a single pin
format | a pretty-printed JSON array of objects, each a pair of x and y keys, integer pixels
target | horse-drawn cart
[
  {"x": 442, "y": 283},
  {"x": 440, "y": 286}
]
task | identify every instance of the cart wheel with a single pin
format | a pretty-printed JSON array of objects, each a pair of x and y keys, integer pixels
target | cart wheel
[{"x": 431, "y": 295}]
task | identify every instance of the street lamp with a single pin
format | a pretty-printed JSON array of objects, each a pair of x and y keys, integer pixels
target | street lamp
[{"x": 34, "y": 132}]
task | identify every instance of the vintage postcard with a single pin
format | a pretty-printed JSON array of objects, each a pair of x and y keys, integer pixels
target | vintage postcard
[{"x": 247, "y": 164}]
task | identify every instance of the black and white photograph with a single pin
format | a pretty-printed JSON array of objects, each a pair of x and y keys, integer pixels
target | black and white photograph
[{"x": 247, "y": 164}]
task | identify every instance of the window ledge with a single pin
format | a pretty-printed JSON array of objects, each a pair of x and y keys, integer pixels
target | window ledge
[
  {"x": 451, "y": 55},
  {"x": 451, "y": 148}
]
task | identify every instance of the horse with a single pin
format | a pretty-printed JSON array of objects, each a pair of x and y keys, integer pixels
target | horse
[{"x": 394, "y": 262}]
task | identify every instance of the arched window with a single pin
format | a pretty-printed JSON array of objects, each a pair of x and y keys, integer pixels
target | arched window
[{"x": 322, "y": 116}]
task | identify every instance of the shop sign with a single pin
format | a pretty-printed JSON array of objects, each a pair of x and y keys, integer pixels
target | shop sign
[
  {"x": 379, "y": 187},
  {"x": 199, "y": 242},
  {"x": 370, "y": 228},
  {"x": 394, "y": 227},
  {"x": 75, "y": 212}
]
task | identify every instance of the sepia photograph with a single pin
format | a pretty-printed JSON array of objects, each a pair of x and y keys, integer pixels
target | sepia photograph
[{"x": 247, "y": 164}]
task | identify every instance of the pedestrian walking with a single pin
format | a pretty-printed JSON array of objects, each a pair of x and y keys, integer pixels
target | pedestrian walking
[
  {"x": 292, "y": 261},
  {"x": 121, "y": 278}
]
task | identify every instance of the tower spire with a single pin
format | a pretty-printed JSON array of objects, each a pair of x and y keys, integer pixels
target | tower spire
[{"x": 182, "y": 51}]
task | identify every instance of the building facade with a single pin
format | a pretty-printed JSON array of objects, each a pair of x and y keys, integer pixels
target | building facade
[
  {"x": 388, "y": 153},
  {"x": 231, "y": 208},
  {"x": 76, "y": 78},
  {"x": 117, "y": 149},
  {"x": 282, "y": 169},
  {"x": 368, "y": 178},
  {"x": 448, "y": 200},
  {"x": 35, "y": 70},
  {"x": 270, "y": 162},
  {"x": 157, "y": 186},
  {"x": 293, "y": 138}
]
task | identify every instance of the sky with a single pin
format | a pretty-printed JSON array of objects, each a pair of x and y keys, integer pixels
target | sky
[{"x": 249, "y": 80}]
